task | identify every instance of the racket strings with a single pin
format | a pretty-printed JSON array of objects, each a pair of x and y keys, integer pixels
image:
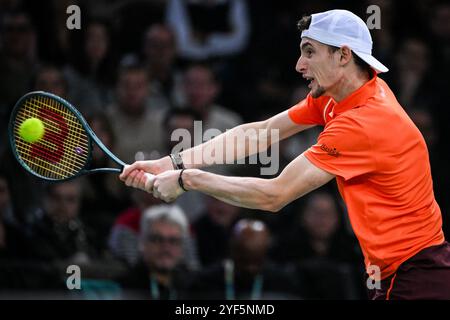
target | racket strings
[
  {"x": 64, "y": 149},
  {"x": 51, "y": 140},
  {"x": 51, "y": 135}
]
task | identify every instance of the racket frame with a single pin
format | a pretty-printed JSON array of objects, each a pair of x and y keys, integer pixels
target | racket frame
[{"x": 92, "y": 137}]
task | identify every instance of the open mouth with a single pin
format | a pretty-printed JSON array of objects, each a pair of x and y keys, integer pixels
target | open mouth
[{"x": 311, "y": 81}]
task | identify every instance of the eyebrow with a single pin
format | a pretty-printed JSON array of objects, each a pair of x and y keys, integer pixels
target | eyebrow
[{"x": 305, "y": 45}]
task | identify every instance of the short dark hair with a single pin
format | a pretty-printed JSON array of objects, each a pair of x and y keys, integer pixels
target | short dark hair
[
  {"x": 305, "y": 22},
  {"x": 178, "y": 112},
  {"x": 131, "y": 67},
  {"x": 206, "y": 65}
]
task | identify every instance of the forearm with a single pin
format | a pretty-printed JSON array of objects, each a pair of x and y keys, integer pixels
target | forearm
[
  {"x": 296, "y": 180},
  {"x": 253, "y": 193},
  {"x": 232, "y": 145}
]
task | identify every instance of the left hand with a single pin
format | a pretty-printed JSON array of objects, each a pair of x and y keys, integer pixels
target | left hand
[{"x": 166, "y": 186}]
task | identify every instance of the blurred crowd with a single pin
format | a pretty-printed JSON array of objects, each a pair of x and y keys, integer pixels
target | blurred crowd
[{"x": 138, "y": 70}]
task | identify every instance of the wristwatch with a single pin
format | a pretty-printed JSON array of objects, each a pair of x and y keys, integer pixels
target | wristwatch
[{"x": 177, "y": 161}]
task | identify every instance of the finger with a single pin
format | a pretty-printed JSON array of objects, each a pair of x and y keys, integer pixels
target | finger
[
  {"x": 148, "y": 183},
  {"x": 137, "y": 179},
  {"x": 143, "y": 182},
  {"x": 127, "y": 169},
  {"x": 130, "y": 178}
]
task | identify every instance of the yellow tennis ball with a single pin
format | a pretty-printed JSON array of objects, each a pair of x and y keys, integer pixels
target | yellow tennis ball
[{"x": 32, "y": 130}]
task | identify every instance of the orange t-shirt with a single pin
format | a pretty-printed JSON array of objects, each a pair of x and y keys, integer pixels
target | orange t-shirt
[{"x": 381, "y": 164}]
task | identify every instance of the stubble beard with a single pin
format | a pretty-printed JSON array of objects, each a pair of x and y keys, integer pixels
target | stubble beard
[{"x": 318, "y": 92}]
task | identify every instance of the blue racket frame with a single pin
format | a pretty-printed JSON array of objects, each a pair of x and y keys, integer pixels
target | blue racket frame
[{"x": 92, "y": 137}]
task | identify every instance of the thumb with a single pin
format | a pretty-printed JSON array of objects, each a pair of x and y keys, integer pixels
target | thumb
[
  {"x": 127, "y": 169},
  {"x": 150, "y": 179}
]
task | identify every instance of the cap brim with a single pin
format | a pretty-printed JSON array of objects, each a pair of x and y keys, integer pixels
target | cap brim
[{"x": 374, "y": 63}]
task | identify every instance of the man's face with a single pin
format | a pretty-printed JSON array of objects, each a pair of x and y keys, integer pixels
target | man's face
[
  {"x": 18, "y": 35},
  {"x": 321, "y": 217},
  {"x": 249, "y": 251},
  {"x": 319, "y": 66},
  {"x": 163, "y": 247},
  {"x": 51, "y": 80},
  {"x": 97, "y": 42},
  {"x": 62, "y": 203},
  {"x": 222, "y": 213},
  {"x": 159, "y": 46},
  {"x": 132, "y": 91},
  {"x": 200, "y": 88}
]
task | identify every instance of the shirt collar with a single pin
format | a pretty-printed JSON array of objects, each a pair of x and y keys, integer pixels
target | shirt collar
[{"x": 357, "y": 97}]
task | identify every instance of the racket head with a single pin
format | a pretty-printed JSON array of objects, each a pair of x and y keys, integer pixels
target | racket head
[{"x": 64, "y": 151}]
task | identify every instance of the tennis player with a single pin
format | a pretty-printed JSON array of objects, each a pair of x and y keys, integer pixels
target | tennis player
[{"x": 369, "y": 144}]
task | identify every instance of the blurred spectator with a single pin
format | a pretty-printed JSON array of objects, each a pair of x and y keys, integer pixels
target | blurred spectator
[
  {"x": 440, "y": 64},
  {"x": 248, "y": 274},
  {"x": 159, "y": 57},
  {"x": 160, "y": 273},
  {"x": 131, "y": 18},
  {"x": 319, "y": 245},
  {"x": 201, "y": 88},
  {"x": 51, "y": 79},
  {"x": 318, "y": 231},
  {"x": 213, "y": 230},
  {"x": 440, "y": 15},
  {"x": 93, "y": 71},
  {"x": 57, "y": 234},
  {"x": 137, "y": 126},
  {"x": 209, "y": 29},
  {"x": 384, "y": 41},
  {"x": 123, "y": 240},
  {"x": 18, "y": 57},
  {"x": 412, "y": 82}
]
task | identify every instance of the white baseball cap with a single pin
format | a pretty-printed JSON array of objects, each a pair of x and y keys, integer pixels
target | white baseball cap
[{"x": 342, "y": 27}]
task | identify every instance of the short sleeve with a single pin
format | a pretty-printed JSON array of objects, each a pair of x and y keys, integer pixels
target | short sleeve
[
  {"x": 309, "y": 110},
  {"x": 343, "y": 149}
]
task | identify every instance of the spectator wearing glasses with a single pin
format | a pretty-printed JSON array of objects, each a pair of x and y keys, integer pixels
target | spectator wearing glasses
[{"x": 161, "y": 274}]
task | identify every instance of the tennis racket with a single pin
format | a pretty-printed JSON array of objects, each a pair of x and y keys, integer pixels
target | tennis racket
[{"x": 65, "y": 150}]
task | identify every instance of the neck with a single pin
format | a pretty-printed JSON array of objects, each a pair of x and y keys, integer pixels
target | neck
[{"x": 350, "y": 82}]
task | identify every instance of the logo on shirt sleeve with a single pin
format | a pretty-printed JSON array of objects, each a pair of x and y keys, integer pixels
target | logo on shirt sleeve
[{"x": 330, "y": 151}]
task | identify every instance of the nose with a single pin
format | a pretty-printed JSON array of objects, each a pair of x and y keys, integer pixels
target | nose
[{"x": 300, "y": 67}]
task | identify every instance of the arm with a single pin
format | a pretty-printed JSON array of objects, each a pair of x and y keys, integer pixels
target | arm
[
  {"x": 238, "y": 140},
  {"x": 297, "y": 179},
  {"x": 229, "y": 140}
]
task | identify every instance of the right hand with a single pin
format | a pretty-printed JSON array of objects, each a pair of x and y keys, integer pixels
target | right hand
[{"x": 150, "y": 166}]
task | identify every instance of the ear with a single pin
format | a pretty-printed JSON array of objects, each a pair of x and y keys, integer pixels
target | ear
[{"x": 346, "y": 55}]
